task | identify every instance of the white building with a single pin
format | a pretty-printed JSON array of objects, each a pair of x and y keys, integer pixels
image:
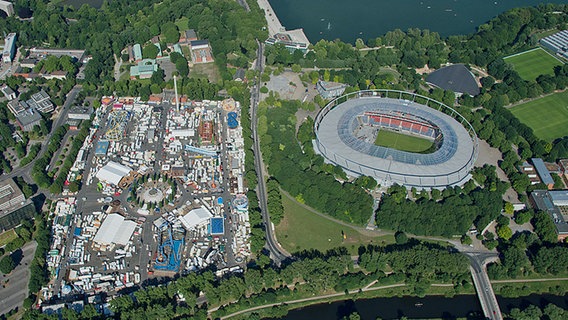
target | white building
[
  {"x": 9, "y": 48},
  {"x": 196, "y": 218},
  {"x": 7, "y": 7},
  {"x": 113, "y": 172},
  {"x": 115, "y": 229}
]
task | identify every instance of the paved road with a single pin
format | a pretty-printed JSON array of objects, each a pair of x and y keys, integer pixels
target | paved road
[
  {"x": 15, "y": 285},
  {"x": 277, "y": 253},
  {"x": 483, "y": 287}
]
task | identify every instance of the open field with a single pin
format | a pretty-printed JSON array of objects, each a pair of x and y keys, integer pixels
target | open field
[
  {"x": 208, "y": 70},
  {"x": 403, "y": 142},
  {"x": 302, "y": 229},
  {"x": 7, "y": 237},
  {"x": 548, "y": 116},
  {"x": 531, "y": 64}
]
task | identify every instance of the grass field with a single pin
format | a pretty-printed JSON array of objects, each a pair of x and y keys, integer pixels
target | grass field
[
  {"x": 548, "y": 116},
  {"x": 7, "y": 237},
  {"x": 531, "y": 64},
  {"x": 402, "y": 142},
  {"x": 302, "y": 229}
]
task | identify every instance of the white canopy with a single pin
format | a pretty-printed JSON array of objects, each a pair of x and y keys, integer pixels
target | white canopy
[
  {"x": 115, "y": 229},
  {"x": 196, "y": 217},
  {"x": 113, "y": 172}
]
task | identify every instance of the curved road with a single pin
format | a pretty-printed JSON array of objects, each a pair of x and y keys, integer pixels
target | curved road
[{"x": 276, "y": 252}]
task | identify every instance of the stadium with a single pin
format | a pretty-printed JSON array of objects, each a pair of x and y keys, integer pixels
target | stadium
[{"x": 348, "y": 133}]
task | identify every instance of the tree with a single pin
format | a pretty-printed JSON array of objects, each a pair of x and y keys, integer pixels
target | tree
[
  {"x": 504, "y": 232},
  {"x": 400, "y": 237},
  {"x": 150, "y": 51},
  {"x": 509, "y": 208},
  {"x": 522, "y": 217},
  {"x": 7, "y": 264}
]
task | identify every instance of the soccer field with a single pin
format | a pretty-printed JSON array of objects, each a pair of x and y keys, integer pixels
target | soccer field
[
  {"x": 548, "y": 116},
  {"x": 533, "y": 63},
  {"x": 402, "y": 142}
]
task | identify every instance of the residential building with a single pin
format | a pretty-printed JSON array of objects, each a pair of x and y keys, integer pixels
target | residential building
[
  {"x": 8, "y": 92},
  {"x": 9, "y": 48}
]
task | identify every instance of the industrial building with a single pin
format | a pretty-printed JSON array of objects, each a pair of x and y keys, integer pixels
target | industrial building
[{"x": 9, "y": 48}]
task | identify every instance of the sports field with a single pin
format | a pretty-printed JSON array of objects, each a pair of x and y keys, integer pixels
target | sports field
[
  {"x": 403, "y": 142},
  {"x": 302, "y": 229},
  {"x": 531, "y": 64},
  {"x": 548, "y": 116}
]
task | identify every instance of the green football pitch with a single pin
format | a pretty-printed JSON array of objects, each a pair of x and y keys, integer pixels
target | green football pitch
[
  {"x": 548, "y": 116},
  {"x": 531, "y": 64},
  {"x": 402, "y": 142}
]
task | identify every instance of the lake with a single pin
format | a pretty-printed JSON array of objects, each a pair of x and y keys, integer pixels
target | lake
[
  {"x": 414, "y": 307},
  {"x": 349, "y": 20}
]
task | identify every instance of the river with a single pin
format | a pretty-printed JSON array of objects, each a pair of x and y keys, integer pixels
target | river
[
  {"x": 348, "y": 20},
  {"x": 414, "y": 307}
]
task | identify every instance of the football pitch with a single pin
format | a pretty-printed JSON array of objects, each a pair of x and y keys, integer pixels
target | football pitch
[
  {"x": 531, "y": 64},
  {"x": 402, "y": 142},
  {"x": 548, "y": 116}
]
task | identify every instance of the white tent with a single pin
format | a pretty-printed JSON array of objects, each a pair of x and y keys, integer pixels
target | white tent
[
  {"x": 195, "y": 218},
  {"x": 115, "y": 229},
  {"x": 113, "y": 172}
]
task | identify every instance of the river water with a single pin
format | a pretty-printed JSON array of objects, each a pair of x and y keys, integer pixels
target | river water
[
  {"x": 348, "y": 20},
  {"x": 414, "y": 307}
]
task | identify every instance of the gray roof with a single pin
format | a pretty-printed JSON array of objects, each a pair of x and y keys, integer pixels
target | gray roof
[
  {"x": 542, "y": 171},
  {"x": 195, "y": 43},
  {"x": 28, "y": 117},
  {"x": 449, "y": 165},
  {"x": 190, "y": 34},
  {"x": 543, "y": 201},
  {"x": 456, "y": 78}
]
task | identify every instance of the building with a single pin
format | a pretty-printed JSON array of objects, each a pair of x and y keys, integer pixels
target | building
[
  {"x": 137, "y": 51},
  {"x": 102, "y": 148},
  {"x": 187, "y": 36},
  {"x": 529, "y": 170},
  {"x": 144, "y": 69},
  {"x": 80, "y": 112},
  {"x": 293, "y": 40},
  {"x": 28, "y": 119},
  {"x": 10, "y": 196},
  {"x": 196, "y": 218},
  {"x": 555, "y": 203},
  {"x": 201, "y": 51},
  {"x": 330, "y": 90},
  {"x": 456, "y": 78},
  {"x": 28, "y": 63},
  {"x": 115, "y": 230},
  {"x": 42, "y": 53},
  {"x": 8, "y": 92},
  {"x": 239, "y": 75},
  {"x": 543, "y": 173},
  {"x": 41, "y": 102},
  {"x": 17, "y": 107},
  {"x": 557, "y": 42},
  {"x": 113, "y": 172},
  {"x": 7, "y": 7},
  {"x": 9, "y": 48}
]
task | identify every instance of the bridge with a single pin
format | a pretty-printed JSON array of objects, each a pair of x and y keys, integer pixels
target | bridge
[{"x": 489, "y": 303}]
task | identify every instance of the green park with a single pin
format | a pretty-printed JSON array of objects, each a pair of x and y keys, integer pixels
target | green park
[{"x": 533, "y": 63}]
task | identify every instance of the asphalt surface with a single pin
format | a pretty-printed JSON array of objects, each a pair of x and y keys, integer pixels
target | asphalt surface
[
  {"x": 15, "y": 285},
  {"x": 276, "y": 252}
]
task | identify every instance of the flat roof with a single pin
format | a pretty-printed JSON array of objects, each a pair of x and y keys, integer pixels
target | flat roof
[
  {"x": 28, "y": 117},
  {"x": 542, "y": 171},
  {"x": 456, "y": 78},
  {"x": 9, "y": 191},
  {"x": 102, "y": 147},
  {"x": 115, "y": 229},
  {"x": 543, "y": 201}
]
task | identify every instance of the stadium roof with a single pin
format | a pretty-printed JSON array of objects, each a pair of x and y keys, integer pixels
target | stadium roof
[
  {"x": 113, "y": 172},
  {"x": 449, "y": 165},
  {"x": 456, "y": 78},
  {"x": 195, "y": 218},
  {"x": 115, "y": 229}
]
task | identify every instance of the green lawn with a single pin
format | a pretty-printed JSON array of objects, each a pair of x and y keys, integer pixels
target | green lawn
[
  {"x": 7, "y": 237},
  {"x": 548, "y": 116},
  {"x": 531, "y": 64},
  {"x": 403, "y": 142},
  {"x": 302, "y": 229}
]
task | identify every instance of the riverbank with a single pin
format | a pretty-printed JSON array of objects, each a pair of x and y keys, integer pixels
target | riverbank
[{"x": 274, "y": 25}]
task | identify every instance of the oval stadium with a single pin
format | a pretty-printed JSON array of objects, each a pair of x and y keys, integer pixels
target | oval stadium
[{"x": 397, "y": 137}]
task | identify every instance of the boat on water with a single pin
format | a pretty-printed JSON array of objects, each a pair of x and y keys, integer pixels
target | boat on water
[{"x": 418, "y": 304}]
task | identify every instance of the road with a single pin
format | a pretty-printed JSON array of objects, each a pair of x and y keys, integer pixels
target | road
[
  {"x": 16, "y": 283},
  {"x": 483, "y": 286},
  {"x": 276, "y": 252}
]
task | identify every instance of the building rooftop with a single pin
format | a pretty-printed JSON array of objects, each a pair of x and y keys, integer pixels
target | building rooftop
[
  {"x": 196, "y": 43},
  {"x": 81, "y": 109},
  {"x": 544, "y": 201},
  {"x": 456, "y": 78},
  {"x": 542, "y": 171},
  {"x": 9, "y": 192},
  {"x": 28, "y": 117}
]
